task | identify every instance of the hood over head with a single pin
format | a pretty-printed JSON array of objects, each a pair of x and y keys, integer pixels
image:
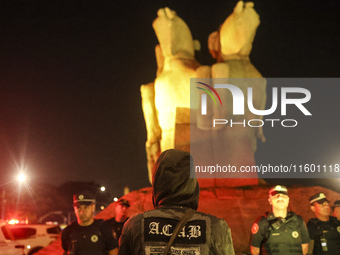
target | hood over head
[{"x": 171, "y": 181}]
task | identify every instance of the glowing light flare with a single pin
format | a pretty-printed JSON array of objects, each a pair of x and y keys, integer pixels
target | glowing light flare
[
  {"x": 21, "y": 177},
  {"x": 102, "y": 188},
  {"x": 115, "y": 199},
  {"x": 13, "y": 222}
]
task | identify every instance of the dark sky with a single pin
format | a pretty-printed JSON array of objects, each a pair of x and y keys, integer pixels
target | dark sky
[{"x": 70, "y": 73}]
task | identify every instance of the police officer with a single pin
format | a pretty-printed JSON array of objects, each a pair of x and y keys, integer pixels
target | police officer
[
  {"x": 336, "y": 209},
  {"x": 280, "y": 232},
  {"x": 87, "y": 236},
  {"x": 324, "y": 230},
  {"x": 117, "y": 222},
  {"x": 175, "y": 198}
]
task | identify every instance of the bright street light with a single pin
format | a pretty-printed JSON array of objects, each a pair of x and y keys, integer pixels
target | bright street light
[
  {"x": 21, "y": 177},
  {"x": 102, "y": 188}
]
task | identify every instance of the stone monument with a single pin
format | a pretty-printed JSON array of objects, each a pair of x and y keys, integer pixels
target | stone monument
[
  {"x": 166, "y": 101},
  {"x": 231, "y": 46},
  {"x": 163, "y": 99}
]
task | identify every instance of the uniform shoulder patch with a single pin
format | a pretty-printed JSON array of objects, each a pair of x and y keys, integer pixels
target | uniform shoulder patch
[{"x": 255, "y": 228}]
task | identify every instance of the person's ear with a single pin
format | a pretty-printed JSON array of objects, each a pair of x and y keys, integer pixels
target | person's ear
[
  {"x": 312, "y": 207},
  {"x": 269, "y": 201}
]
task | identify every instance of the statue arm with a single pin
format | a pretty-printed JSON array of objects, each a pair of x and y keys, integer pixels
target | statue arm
[{"x": 154, "y": 132}]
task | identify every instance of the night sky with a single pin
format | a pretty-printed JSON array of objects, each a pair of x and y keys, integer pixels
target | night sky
[{"x": 70, "y": 73}]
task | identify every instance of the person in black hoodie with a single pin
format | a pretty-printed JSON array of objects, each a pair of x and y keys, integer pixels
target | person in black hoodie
[{"x": 175, "y": 193}]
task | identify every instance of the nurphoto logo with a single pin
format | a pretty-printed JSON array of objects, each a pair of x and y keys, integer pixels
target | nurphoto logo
[{"x": 288, "y": 96}]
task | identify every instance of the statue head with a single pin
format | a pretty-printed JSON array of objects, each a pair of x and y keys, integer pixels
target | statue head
[
  {"x": 173, "y": 34},
  {"x": 237, "y": 33}
]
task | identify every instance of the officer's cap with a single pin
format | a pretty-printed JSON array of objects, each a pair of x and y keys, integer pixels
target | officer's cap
[
  {"x": 83, "y": 198},
  {"x": 319, "y": 198},
  {"x": 123, "y": 202},
  {"x": 278, "y": 189},
  {"x": 336, "y": 203}
]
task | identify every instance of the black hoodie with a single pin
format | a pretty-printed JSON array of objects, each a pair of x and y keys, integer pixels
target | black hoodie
[
  {"x": 171, "y": 181},
  {"x": 175, "y": 188}
]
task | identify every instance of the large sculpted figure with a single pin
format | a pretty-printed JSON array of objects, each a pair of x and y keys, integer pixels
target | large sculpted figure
[
  {"x": 231, "y": 46},
  {"x": 233, "y": 145},
  {"x": 166, "y": 102},
  {"x": 169, "y": 95}
]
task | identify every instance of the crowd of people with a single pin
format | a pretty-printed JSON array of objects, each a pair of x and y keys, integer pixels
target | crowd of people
[{"x": 175, "y": 226}]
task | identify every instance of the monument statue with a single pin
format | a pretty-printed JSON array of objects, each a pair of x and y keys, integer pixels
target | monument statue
[
  {"x": 166, "y": 101},
  {"x": 231, "y": 46},
  {"x": 170, "y": 91}
]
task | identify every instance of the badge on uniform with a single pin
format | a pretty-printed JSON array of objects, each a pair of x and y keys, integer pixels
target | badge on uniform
[
  {"x": 94, "y": 238},
  {"x": 295, "y": 234},
  {"x": 255, "y": 228}
]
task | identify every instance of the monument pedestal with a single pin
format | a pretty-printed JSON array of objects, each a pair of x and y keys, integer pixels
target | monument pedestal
[{"x": 230, "y": 145}]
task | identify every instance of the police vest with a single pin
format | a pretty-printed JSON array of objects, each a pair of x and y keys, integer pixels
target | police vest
[{"x": 283, "y": 236}]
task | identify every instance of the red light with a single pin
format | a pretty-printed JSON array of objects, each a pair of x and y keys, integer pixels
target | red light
[{"x": 13, "y": 221}]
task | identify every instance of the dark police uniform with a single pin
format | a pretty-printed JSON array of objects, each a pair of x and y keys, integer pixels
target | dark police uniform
[
  {"x": 95, "y": 239},
  {"x": 280, "y": 236},
  {"x": 117, "y": 228},
  {"x": 326, "y": 232}
]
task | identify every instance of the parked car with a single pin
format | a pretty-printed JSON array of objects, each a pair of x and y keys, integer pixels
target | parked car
[
  {"x": 34, "y": 236},
  {"x": 8, "y": 245}
]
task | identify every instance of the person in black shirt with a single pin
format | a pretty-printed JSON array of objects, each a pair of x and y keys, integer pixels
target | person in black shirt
[
  {"x": 87, "y": 236},
  {"x": 336, "y": 209},
  {"x": 324, "y": 230},
  {"x": 120, "y": 218}
]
